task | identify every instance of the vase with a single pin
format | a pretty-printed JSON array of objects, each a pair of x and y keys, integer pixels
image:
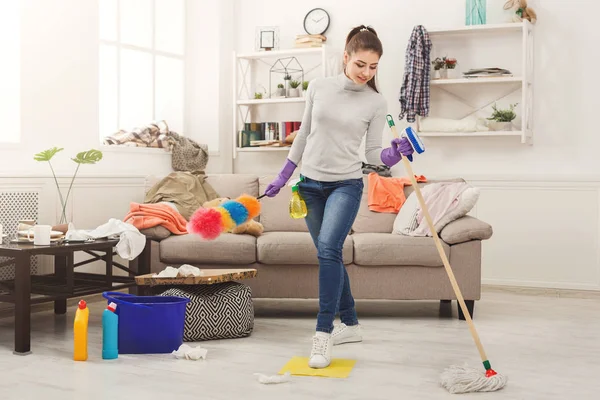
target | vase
[
  {"x": 500, "y": 126},
  {"x": 435, "y": 74},
  {"x": 475, "y": 12},
  {"x": 444, "y": 73},
  {"x": 293, "y": 92}
]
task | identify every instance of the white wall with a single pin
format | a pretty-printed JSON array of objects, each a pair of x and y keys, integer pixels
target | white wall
[
  {"x": 564, "y": 94},
  {"x": 542, "y": 200}
]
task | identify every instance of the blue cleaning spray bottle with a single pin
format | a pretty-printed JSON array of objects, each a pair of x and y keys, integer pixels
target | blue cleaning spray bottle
[{"x": 110, "y": 332}]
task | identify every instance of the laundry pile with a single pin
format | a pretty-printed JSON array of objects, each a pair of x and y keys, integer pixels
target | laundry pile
[
  {"x": 446, "y": 202},
  {"x": 187, "y": 154}
]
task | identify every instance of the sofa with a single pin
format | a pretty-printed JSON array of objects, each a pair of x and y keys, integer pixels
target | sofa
[{"x": 381, "y": 265}]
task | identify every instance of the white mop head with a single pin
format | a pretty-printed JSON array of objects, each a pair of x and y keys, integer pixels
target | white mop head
[{"x": 458, "y": 379}]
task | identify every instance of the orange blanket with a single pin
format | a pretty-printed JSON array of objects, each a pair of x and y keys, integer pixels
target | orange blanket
[
  {"x": 386, "y": 194},
  {"x": 144, "y": 216}
]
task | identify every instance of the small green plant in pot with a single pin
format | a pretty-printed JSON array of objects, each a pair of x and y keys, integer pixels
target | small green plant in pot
[
  {"x": 502, "y": 119},
  {"x": 85, "y": 157},
  {"x": 280, "y": 90},
  {"x": 294, "y": 90}
]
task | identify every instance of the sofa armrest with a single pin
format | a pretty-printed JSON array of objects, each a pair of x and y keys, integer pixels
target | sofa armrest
[
  {"x": 465, "y": 229},
  {"x": 157, "y": 233}
]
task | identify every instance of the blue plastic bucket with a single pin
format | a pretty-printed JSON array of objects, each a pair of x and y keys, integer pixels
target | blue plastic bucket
[{"x": 149, "y": 324}]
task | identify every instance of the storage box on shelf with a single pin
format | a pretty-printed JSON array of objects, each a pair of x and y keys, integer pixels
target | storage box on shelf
[
  {"x": 466, "y": 39},
  {"x": 245, "y": 80}
]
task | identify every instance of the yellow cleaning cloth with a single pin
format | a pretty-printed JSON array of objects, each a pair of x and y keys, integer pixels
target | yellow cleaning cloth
[{"x": 339, "y": 368}]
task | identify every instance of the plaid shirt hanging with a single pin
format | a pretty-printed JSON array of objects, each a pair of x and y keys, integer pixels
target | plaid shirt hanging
[{"x": 414, "y": 94}]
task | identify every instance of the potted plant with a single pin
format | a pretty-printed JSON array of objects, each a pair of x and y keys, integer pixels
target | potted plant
[
  {"x": 304, "y": 88},
  {"x": 502, "y": 119},
  {"x": 85, "y": 157},
  {"x": 294, "y": 91},
  {"x": 438, "y": 66},
  {"x": 280, "y": 90},
  {"x": 257, "y": 96},
  {"x": 450, "y": 64}
]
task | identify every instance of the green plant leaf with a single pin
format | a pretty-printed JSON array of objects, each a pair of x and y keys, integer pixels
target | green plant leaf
[
  {"x": 88, "y": 157},
  {"x": 47, "y": 155}
]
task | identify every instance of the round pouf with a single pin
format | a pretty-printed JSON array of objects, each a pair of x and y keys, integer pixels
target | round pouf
[{"x": 217, "y": 311}]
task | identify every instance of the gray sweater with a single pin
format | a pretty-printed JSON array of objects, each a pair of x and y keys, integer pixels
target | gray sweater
[{"x": 337, "y": 115}]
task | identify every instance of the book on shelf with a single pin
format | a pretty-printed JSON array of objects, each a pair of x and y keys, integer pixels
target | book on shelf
[
  {"x": 266, "y": 133},
  {"x": 310, "y": 40},
  {"x": 487, "y": 73}
]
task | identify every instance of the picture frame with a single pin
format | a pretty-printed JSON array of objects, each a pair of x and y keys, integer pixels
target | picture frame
[{"x": 267, "y": 38}]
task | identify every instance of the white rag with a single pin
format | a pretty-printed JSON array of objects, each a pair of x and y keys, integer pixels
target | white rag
[
  {"x": 184, "y": 271},
  {"x": 266, "y": 380},
  {"x": 440, "y": 198},
  {"x": 131, "y": 240},
  {"x": 190, "y": 353}
]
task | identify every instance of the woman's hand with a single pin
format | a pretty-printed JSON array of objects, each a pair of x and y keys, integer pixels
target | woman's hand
[
  {"x": 284, "y": 175},
  {"x": 399, "y": 147},
  {"x": 402, "y": 147}
]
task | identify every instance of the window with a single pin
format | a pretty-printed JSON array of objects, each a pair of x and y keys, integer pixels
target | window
[
  {"x": 10, "y": 76},
  {"x": 141, "y": 64}
]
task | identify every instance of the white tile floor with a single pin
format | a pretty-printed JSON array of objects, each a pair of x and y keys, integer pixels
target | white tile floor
[{"x": 549, "y": 347}]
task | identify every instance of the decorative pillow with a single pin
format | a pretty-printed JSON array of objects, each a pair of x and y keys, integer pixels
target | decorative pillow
[
  {"x": 467, "y": 201},
  {"x": 406, "y": 220}
]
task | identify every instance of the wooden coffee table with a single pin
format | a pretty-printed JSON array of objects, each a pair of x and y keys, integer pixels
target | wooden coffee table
[{"x": 64, "y": 283}]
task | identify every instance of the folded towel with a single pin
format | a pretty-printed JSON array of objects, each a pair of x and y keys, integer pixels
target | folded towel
[{"x": 144, "y": 216}]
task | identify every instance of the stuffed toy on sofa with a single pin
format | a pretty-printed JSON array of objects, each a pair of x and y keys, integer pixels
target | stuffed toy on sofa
[{"x": 251, "y": 227}]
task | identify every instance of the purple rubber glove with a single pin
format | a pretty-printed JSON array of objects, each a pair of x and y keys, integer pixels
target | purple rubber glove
[
  {"x": 284, "y": 175},
  {"x": 392, "y": 155}
]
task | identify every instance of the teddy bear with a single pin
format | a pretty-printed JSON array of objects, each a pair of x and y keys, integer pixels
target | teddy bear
[
  {"x": 521, "y": 11},
  {"x": 251, "y": 227}
]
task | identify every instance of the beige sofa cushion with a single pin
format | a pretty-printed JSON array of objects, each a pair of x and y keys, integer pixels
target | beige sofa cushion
[
  {"x": 226, "y": 249},
  {"x": 233, "y": 185},
  {"x": 274, "y": 214},
  {"x": 293, "y": 248},
  {"x": 389, "y": 249},
  {"x": 370, "y": 221}
]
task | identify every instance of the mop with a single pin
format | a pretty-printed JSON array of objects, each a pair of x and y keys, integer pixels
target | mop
[{"x": 456, "y": 379}]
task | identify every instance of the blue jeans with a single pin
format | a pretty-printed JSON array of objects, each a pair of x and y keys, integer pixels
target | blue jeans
[{"x": 332, "y": 208}]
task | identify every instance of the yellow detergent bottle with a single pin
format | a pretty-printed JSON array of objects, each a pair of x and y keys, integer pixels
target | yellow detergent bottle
[
  {"x": 80, "y": 332},
  {"x": 297, "y": 204}
]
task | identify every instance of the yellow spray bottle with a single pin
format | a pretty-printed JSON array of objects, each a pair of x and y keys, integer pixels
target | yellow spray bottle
[{"x": 297, "y": 204}]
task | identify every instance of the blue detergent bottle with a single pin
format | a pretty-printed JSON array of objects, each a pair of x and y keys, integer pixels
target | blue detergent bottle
[{"x": 110, "y": 332}]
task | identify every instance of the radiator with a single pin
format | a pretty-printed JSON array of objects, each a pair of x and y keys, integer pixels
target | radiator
[{"x": 16, "y": 206}]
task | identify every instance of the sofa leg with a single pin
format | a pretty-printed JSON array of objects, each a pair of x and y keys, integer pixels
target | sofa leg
[{"x": 470, "y": 306}]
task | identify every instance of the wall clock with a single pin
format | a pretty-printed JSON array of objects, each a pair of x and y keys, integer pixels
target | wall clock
[{"x": 316, "y": 21}]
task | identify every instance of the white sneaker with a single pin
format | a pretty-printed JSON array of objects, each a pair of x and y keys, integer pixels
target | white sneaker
[
  {"x": 343, "y": 333},
  {"x": 320, "y": 356}
]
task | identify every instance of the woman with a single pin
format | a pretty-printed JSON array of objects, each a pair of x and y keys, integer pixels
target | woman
[{"x": 339, "y": 112}]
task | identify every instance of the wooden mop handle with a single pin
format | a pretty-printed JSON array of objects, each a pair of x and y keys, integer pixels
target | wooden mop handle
[{"x": 441, "y": 251}]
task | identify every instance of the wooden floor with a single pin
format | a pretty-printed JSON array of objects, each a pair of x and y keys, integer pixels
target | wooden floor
[{"x": 548, "y": 346}]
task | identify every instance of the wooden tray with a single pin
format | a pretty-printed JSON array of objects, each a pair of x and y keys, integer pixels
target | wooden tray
[{"x": 210, "y": 277}]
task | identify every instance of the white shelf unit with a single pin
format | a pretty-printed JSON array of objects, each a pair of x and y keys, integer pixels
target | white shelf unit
[
  {"x": 523, "y": 81},
  {"x": 246, "y": 106}
]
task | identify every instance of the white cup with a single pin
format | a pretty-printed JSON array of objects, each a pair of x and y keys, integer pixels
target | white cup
[{"x": 41, "y": 235}]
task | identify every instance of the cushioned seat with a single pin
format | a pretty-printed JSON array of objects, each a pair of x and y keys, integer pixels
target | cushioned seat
[
  {"x": 389, "y": 249},
  {"x": 192, "y": 249},
  {"x": 277, "y": 248}
]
